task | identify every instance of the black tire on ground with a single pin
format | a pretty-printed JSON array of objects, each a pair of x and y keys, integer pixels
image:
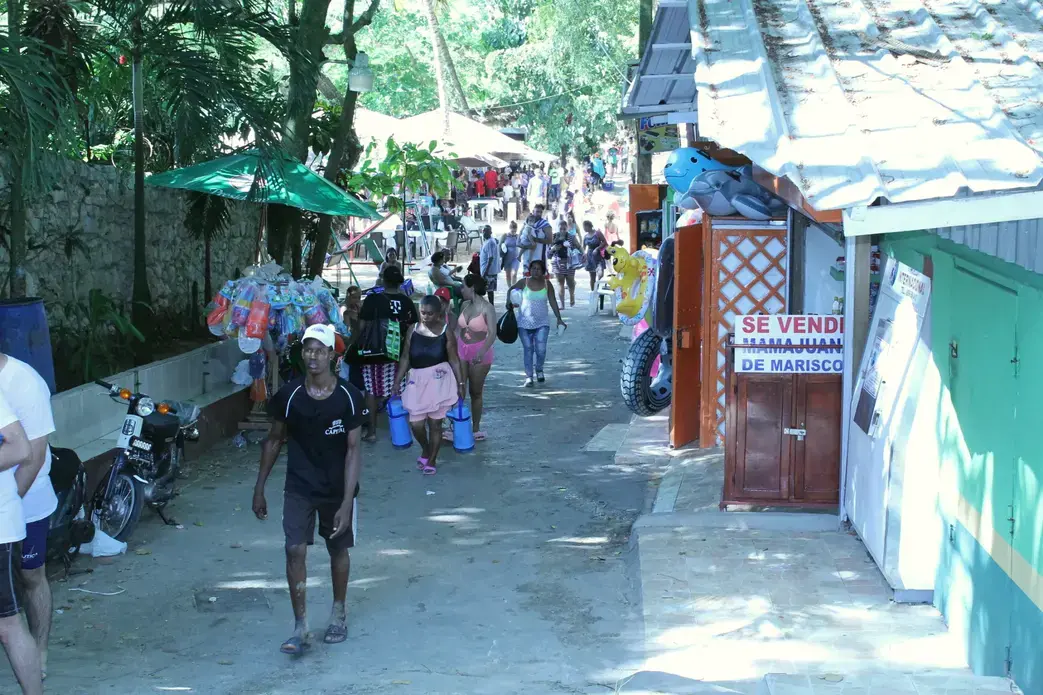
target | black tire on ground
[
  {"x": 635, "y": 379},
  {"x": 123, "y": 516}
]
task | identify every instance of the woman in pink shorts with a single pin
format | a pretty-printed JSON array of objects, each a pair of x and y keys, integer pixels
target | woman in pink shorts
[
  {"x": 475, "y": 337},
  {"x": 429, "y": 356}
]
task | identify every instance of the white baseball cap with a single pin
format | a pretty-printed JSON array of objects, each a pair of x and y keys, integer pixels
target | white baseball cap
[{"x": 322, "y": 333}]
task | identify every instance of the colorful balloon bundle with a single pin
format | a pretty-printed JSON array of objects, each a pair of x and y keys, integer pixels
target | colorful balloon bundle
[{"x": 265, "y": 299}]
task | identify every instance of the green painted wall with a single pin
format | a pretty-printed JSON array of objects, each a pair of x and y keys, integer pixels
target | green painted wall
[{"x": 990, "y": 434}]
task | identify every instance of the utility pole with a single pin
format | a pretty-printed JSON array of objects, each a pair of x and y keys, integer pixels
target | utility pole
[{"x": 643, "y": 172}]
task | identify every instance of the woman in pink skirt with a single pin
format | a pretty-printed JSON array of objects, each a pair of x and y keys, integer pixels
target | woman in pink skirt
[{"x": 434, "y": 385}]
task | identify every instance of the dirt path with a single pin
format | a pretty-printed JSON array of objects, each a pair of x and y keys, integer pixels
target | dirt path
[{"x": 506, "y": 573}]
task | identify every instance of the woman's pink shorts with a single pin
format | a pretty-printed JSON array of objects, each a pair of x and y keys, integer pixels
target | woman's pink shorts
[{"x": 468, "y": 351}]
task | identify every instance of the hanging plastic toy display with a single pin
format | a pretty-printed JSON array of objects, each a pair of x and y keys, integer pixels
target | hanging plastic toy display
[{"x": 267, "y": 299}]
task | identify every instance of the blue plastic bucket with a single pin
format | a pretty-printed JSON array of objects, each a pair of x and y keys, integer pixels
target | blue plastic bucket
[
  {"x": 24, "y": 335},
  {"x": 463, "y": 435},
  {"x": 398, "y": 423}
]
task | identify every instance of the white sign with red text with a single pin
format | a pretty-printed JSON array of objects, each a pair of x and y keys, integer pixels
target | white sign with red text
[{"x": 792, "y": 344}]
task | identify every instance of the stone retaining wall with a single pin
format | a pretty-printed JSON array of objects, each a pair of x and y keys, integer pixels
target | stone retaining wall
[{"x": 81, "y": 236}]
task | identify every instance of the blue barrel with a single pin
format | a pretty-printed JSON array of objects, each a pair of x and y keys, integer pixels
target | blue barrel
[
  {"x": 24, "y": 335},
  {"x": 463, "y": 435},
  {"x": 398, "y": 423}
]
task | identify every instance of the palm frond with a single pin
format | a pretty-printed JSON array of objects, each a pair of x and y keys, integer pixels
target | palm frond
[{"x": 36, "y": 103}]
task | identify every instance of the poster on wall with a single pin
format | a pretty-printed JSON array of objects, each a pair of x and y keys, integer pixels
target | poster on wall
[
  {"x": 897, "y": 319},
  {"x": 657, "y": 135},
  {"x": 793, "y": 344},
  {"x": 878, "y": 353}
]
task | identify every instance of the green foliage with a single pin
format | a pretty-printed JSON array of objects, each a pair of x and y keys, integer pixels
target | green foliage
[
  {"x": 36, "y": 105},
  {"x": 561, "y": 57},
  {"x": 97, "y": 340},
  {"x": 410, "y": 165}
]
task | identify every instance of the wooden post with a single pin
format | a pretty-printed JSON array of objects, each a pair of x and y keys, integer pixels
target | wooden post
[{"x": 796, "y": 262}]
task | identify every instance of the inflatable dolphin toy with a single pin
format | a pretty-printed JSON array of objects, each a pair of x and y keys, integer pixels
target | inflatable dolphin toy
[{"x": 685, "y": 163}]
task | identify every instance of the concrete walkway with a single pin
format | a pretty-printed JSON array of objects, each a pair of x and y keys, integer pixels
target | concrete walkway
[
  {"x": 508, "y": 572},
  {"x": 728, "y": 599}
]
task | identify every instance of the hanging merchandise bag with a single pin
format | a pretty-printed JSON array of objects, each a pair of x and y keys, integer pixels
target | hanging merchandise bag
[
  {"x": 373, "y": 339},
  {"x": 393, "y": 342},
  {"x": 257, "y": 320}
]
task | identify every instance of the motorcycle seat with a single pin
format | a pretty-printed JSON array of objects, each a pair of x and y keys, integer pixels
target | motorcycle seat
[{"x": 187, "y": 413}]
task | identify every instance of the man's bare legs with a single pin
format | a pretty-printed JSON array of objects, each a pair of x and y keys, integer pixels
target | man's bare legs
[
  {"x": 297, "y": 579},
  {"x": 38, "y": 606},
  {"x": 22, "y": 653},
  {"x": 340, "y": 569}
]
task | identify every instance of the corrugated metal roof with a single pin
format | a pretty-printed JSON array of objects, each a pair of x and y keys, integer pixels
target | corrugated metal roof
[
  {"x": 665, "y": 79},
  {"x": 1019, "y": 242},
  {"x": 855, "y": 100}
]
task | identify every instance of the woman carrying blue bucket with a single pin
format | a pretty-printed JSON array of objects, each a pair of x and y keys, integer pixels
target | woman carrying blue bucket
[{"x": 434, "y": 383}]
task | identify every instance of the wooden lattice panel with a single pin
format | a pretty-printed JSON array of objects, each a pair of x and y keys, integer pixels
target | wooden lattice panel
[{"x": 747, "y": 276}]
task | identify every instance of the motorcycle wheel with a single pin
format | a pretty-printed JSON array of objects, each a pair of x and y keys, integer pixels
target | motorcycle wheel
[
  {"x": 635, "y": 379},
  {"x": 121, "y": 510}
]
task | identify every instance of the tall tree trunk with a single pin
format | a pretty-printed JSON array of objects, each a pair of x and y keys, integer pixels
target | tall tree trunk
[
  {"x": 436, "y": 57},
  {"x": 346, "y": 149},
  {"x": 208, "y": 254},
  {"x": 308, "y": 28},
  {"x": 454, "y": 78},
  {"x": 18, "y": 248},
  {"x": 141, "y": 296}
]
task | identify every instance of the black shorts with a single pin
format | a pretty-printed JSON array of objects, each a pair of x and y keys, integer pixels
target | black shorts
[
  {"x": 298, "y": 521},
  {"x": 34, "y": 547},
  {"x": 8, "y": 599}
]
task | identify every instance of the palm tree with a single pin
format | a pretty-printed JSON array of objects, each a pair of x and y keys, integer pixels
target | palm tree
[
  {"x": 35, "y": 102},
  {"x": 443, "y": 61},
  {"x": 199, "y": 59}
]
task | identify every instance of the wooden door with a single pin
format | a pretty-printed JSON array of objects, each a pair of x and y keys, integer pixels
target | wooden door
[
  {"x": 817, "y": 410},
  {"x": 687, "y": 347},
  {"x": 765, "y": 461},
  {"x": 758, "y": 455}
]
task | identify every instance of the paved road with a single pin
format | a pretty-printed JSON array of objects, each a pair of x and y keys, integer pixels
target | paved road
[{"x": 508, "y": 572}]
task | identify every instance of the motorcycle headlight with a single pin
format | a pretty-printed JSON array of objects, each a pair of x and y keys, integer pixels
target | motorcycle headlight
[{"x": 145, "y": 407}]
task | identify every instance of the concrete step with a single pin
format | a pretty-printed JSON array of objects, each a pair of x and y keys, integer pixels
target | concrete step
[
  {"x": 660, "y": 683},
  {"x": 886, "y": 683}
]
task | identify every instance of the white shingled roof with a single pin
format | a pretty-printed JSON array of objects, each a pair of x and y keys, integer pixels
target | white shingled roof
[{"x": 855, "y": 100}]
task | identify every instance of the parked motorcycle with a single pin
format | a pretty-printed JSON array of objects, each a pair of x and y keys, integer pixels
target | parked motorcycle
[
  {"x": 70, "y": 524},
  {"x": 151, "y": 445}
]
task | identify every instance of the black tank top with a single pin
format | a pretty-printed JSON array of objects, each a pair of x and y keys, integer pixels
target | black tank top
[{"x": 427, "y": 351}]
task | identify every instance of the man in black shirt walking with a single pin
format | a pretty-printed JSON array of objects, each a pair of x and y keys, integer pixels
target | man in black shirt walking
[{"x": 321, "y": 416}]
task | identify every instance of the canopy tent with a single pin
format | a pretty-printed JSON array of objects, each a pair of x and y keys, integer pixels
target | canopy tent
[
  {"x": 371, "y": 125},
  {"x": 466, "y": 137},
  {"x": 255, "y": 178},
  {"x": 534, "y": 155},
  {"x": 472, "y": 160}
]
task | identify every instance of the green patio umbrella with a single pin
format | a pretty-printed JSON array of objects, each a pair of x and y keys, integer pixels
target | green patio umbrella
[{"x": 251, "y": 176}]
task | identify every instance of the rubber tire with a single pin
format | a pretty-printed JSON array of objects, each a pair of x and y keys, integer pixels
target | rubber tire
[
  {"x": 634, "y": 379},
  {"x": 135, "y": 509}
]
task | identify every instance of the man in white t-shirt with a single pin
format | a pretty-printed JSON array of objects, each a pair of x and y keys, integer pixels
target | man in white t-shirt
[
  {"x": 21, "y": 649},
  {"x": 30, "y": 398}
]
